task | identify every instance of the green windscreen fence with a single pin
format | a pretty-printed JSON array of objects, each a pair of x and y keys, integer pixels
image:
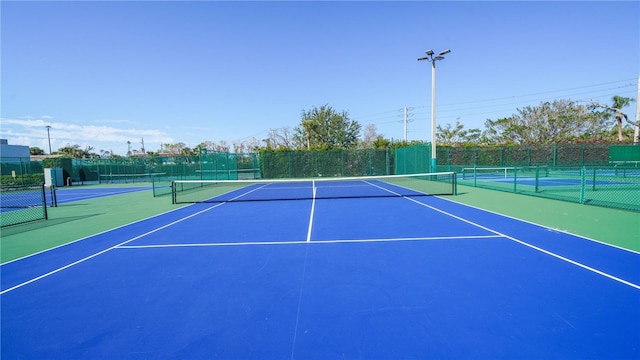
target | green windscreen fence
[
  {"x": 161, "y": 170},
  {"x": 610, "y": 171},
  {"x": 324, "y": 163},
  {"x": 21, "y": 171},
  {"x": 529, "y": 155},
  {"x": 625, "y": 156},
  {"x": 413, "y": 159},
  {"x": 211, "y": 166}
]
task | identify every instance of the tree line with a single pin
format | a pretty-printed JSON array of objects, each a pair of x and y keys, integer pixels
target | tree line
[
  {"x": 551, "y": 122},
  {"x": 322, "y": 127}
]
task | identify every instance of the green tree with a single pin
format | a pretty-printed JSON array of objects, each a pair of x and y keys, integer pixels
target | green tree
[
  {"x": 618, "y": 103},
  {"x": 324, "y": 128},
  {"x": 36, "y": 151},
  {"x": 175, "y": 149},
  {"x": 615, "y": 111},
  {"x": 558, "y": 121},
  {"x": 75, "y": 151},
  {"x": 381, "y": 143},
  {"x": 457, "y": 134}
]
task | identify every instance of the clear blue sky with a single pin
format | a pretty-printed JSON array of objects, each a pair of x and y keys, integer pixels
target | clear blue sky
[{"x": 104, "y": 73}]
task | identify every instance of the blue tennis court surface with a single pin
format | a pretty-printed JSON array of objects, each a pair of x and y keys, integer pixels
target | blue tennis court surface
[
  {"x": 560, "y": 182},
  {"x": 365, "y": 278},
  {"x": 65, "y": 195}
]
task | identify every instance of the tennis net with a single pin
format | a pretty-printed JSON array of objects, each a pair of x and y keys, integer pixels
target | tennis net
[
  {"x": 193, "y": 191},
  {"x": 508, "y": 172}
]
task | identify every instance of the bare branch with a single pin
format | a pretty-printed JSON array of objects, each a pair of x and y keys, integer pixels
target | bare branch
[{"x": 600, "y": 105}]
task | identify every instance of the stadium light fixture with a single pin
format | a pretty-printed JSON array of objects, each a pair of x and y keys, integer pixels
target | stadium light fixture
[
  {"x": 432, "y": 60},
  {"x": 49, "y": 138}
]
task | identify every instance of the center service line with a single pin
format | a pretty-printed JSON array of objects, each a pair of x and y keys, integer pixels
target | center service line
[{"x": 313, "y": 207}]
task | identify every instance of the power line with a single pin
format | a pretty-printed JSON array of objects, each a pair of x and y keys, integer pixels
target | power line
[
  {"x": 510, "y": 104},
  {"x": 549, "y": 92}
]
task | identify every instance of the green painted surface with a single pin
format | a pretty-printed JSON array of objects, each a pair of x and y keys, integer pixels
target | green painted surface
[
  {"x": 77, "y": 220},
  {"x": 617, "y": 227}
]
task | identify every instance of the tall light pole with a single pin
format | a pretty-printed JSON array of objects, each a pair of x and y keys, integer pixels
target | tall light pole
[
  {"x": 432, "y": 60},
  {"x": 636, "y": 133},
  {"x": 49, "y": 138}
]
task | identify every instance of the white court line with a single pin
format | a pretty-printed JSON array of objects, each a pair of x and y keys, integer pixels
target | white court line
[
  {"x": 92, "y": 235},
  {"x": 241, "y": 195},
  {"x": 313, "y": 207},
  {"x": 298, "y": 242},
  {"x": 295, "y": 328},
  {"x": 113, "y": 247},
  {"x": 543, "y": 226},
  {"x": 108, "y": 249},
  {"x": 586, "y": 267}
]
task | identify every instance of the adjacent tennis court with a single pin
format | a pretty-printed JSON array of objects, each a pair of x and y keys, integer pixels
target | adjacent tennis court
[
  {"x": 308, "y": 270},
  {"x": 71, "y": 194}
]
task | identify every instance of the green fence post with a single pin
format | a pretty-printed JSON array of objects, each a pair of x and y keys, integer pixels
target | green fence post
[
  {"x": 386, "y": 159},
  {"x": 583, "y": 172},
  {"x": 475, "y": 176}
]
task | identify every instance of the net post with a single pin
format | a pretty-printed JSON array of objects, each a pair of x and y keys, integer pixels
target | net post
[
  {"x": 594, "y": 179},
  {"x": 537, "y": 178},
  {"x": 454, "y": 184},
  {"x": 515, "y": 179},
  {"x": 44, "y": 201},
  {"x": 54, "y": 198},
  {"x": 173, "y": 192}
]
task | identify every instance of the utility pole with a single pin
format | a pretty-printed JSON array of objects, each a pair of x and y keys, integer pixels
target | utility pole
[
  {"x": 405, "y": 123},
  {"x": 143, "y": 146},
  {"x": 406, "y": 119}
]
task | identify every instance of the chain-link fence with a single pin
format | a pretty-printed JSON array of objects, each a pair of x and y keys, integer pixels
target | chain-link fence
[
  {"x": 324, "y": 163},
  {"x": 593, "y": 174},
  {"x": 22, "y": 203},
  {"x": 620, "y": 163}
]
